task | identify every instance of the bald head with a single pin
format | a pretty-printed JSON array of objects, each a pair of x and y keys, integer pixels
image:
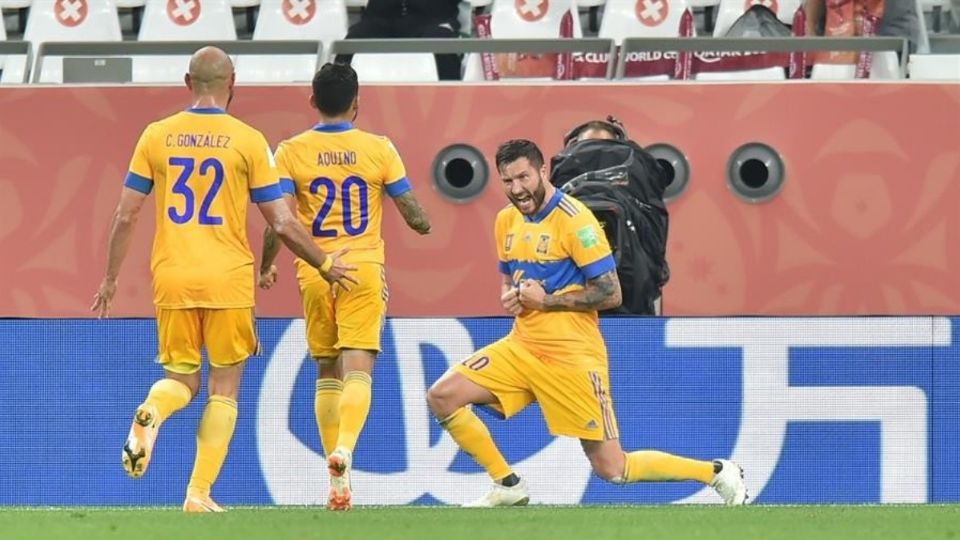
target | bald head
[{"x": 211, "y": 71}]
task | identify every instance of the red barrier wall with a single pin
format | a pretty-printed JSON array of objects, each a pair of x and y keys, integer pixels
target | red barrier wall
[{"x": 867, "y": 222}]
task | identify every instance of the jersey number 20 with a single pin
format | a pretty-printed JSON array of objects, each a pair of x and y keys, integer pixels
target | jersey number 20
[
  {"x": 329, "y": 198},
  {"x": 180, "y": 187}
]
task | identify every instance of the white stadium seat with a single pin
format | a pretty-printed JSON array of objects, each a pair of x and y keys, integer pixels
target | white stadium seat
[
  {"x": 64, "y": 20},
  {"x": 524, "y": 19},
  {"x": 935, "y": 67},
  {"x": 180, "y": 20},
  {"x": 324, "y": 20},
  {"x": 642, "y": 18},
  {"x": 731, "y": 10},
  {"x": 885, "y": 66},
  {"x": 395, "y": 67}
]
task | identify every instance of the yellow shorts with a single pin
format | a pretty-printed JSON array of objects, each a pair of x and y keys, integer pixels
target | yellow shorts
[
  {"x": 229, "y": 335},
  {"x": 342, "y": 319},
  {"x": 574, "y": 396}
]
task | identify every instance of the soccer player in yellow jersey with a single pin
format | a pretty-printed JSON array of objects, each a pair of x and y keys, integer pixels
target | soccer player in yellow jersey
[
  {"x": 205, "y": 167},
  {"x": 557, "y": 272},
  {"x": 335, "y": 177}
]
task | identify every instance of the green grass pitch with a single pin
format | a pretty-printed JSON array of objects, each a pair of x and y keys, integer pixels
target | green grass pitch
[{"x": 532, "y": 523}]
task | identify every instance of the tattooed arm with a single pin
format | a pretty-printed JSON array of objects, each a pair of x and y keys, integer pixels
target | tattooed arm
[
  {"x": 412, "y": 212},
  {"x": 599, "y": 293}
]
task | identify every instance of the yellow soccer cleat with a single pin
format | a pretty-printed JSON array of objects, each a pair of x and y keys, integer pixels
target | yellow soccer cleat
[
  {"x": 338, "y": 464},
  {"x": 195, "y": 503},
  {"x": 139, "y": 446}
]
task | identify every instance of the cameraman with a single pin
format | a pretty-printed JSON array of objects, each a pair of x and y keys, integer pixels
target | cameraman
[{"x": 623, "y": 185}]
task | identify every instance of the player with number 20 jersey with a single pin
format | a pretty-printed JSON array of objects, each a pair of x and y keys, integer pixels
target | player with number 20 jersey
[{"x": 337, "y": 176}]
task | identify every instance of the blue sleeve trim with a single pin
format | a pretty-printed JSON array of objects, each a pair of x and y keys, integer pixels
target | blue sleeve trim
[
  {"x": 599, "y": 267},
  {"x": 398, "y": 188},
  {"x": 138, "y": 183},
  {"x": 504, "y": 268},
  {"x": 287, "y": 186},
  {"x": 266, "y": 193}
]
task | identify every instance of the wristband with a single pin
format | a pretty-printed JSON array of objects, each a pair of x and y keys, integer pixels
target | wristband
[{"x": 327, "y": 265}]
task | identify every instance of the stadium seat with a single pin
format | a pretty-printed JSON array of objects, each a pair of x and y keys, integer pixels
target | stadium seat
[
  {"x": 513, "y": 19},
  {"x": 64, "y": 20},
  {"x": 885, "y": 66},
  {"x": 395, "y": 67},
  {"x": 324, "y": 20},
  {"x": 180, "y": 20},
  {"x": 642, "y": 18},
  {"x": 731, "y": 10},
  {"x": 934, "y": 67}
]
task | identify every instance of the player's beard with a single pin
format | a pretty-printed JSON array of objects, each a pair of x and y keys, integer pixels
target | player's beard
[
  {"x": 529, "y": 203},
  {"x": 230, "y": 98}
]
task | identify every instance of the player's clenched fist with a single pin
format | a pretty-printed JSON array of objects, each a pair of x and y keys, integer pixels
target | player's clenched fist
[{"x": 532, "y": 294}]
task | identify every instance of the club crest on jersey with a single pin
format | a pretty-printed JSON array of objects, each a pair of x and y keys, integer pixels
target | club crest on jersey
[
  {"x": 508, "y": 242},
  {"x": 543, "y": 244}
]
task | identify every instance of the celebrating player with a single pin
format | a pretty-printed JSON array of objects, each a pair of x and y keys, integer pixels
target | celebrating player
[
  {"x": 334, "y": 176},
  {"x": 206, "y": 167},
  {"x": 557, "y": 272}
]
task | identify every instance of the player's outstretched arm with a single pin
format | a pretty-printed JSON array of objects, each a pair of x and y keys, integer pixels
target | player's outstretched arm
[
  {"x": 271, "y": 247},
  {"x": 121, "y": 230},
  {"x": 598, "y": 294},
  {"x": 414, "y": 214},
  {"x": 289, "y": 230}
]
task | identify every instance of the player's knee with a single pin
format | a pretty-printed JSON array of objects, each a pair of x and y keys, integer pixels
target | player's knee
[{"x": 440, "y": 400}]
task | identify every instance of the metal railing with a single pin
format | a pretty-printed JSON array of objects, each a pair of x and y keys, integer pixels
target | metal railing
[
  {"x": 171, "y": 48},
  {"x": 944, "y": 44},
  {"x": 615, "y": 69},
  {"x": 764, "y": 44}
]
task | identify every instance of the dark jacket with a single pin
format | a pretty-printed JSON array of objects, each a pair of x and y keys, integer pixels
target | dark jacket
[{"x": 428, "y": 10}]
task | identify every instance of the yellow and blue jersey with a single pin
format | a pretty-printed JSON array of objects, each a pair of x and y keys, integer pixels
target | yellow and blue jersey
[
  {"x": 339, "y": 174},
  {"x": 562, "y": 247},
  {"x": 205, "y": 167}
]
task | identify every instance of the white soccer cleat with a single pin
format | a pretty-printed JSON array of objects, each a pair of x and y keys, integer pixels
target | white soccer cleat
[
  {"x": 729, "y": 483},
  {"x": 341, "y": 494},
  {"x": 500, "y": 495}
]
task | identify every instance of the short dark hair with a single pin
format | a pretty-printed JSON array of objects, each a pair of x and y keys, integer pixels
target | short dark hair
[
  {"x": 611, "y": 125},
  {"x": 515, "y": 149},
  {"x": 334, "y": 88}
]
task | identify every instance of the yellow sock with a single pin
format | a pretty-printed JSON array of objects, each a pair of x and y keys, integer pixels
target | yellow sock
[
  {"x": 654, "y": 466},
  {"x": 213, "y": 439},
  {"x": 326, "y": 407},
  {"x": 354, "y": 406},
  {"x": 168, "y": 396},
  {"x": 472, "y": 435}
]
